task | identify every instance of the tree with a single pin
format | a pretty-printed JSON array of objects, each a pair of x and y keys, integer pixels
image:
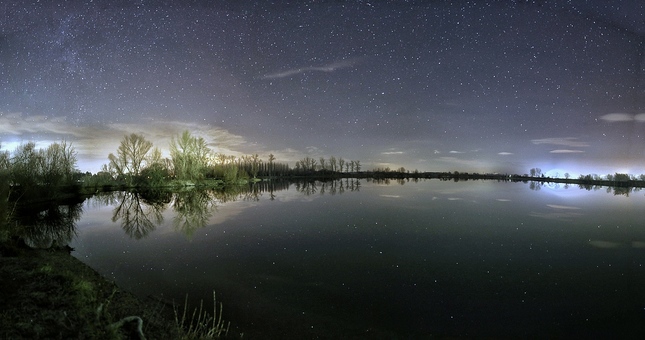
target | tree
[
  {"x": 357, "y": 164},
  {"x": 332, "y": 163},
  {"x": 130, "y": 155},
  {"x": 535, "y": 172},
  {"x": 190, "y": 156},
  {"x": 157, "y": 168},
  {"x": 621, "y": 177},
  {"x": 271, "y": 159},
  {"x": 308, "y": 163},
  {"x": 58, "y": 164},
  {"x": 26, "y": 166},
  {"x": 323, "y": 163},
  {"x": 341, "y": 163},
  {"x": 255, "y": 164},
  {"x": 567, "y": 175}
]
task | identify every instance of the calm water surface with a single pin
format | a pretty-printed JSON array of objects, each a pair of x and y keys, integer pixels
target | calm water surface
[{"x": 476, "y": 258}]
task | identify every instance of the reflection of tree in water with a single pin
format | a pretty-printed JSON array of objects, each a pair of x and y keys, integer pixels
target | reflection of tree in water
[
  {"x": 252, "y": 193},
  {"x": 625, "y": 191},
  {"x": 331, "y": 187},
  {"x": 272, "y": 186},
  {"x": 55, "y": 225},
  {"x": 139, "y": 213},
  {"x": 193, "y": 209}
]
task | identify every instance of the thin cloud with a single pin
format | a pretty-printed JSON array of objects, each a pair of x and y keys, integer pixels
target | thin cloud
[
  {"x": 325, "y": 68},
  {"x": 623, "y": 117},
  {"x": 392, "y": 153},
  {"x": 504, "y": 153},
  {"x": 95, "y": 143},
  {"x": 564, "y": 207},
  {"x": 565, "y": 151},
  {"x": 563, "y": 141},
  {"x": 455, "y": 152}
]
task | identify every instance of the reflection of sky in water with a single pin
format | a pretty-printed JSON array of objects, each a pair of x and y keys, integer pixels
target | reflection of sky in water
[{"x": 434, "y": 257}]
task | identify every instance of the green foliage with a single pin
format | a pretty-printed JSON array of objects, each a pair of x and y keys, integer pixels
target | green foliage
[
  {"x": 190, "y": 156},
  {"x": 155, "y": 175},
  {"x": 621, "y": 177},
  {"x": 30, "y": 169}
]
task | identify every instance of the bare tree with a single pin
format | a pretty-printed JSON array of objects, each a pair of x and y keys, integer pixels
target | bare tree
[
  {"x": 271, "y": 159},
  {"x": 58, "y": 163},
  {"x": 322, "y": 163},
  {"x": 255, "y": 164},
  {"x": 130, "y": 155},
  {"x": 341, "y": 163},
  {"x": 332, "y": 163}
]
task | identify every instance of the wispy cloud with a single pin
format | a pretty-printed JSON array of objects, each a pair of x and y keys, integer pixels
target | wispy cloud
[
  {"x": 325, "y": 68},
  {"x": 392, "y": 153},
  {"x": 563, "y": 141},
  {"x": 95, "y": 143},
  {"x": 566, "y": 151},
  {"x": 565, "y": 207},
  {"x": 455, "y": 152},
  {"x": 504, "y": 153},
  {"x": 623, "y": 117}
]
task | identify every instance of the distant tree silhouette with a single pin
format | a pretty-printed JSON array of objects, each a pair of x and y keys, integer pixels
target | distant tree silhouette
[
  {"x": 535, "y": 172},
  {"x": 271, "y": 159},
  {"x": 332, "y": 163}
]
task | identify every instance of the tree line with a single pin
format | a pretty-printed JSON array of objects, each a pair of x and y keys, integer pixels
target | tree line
[
  {"x": 29, "y": 168},
  {"x": 138, "y": 162}
]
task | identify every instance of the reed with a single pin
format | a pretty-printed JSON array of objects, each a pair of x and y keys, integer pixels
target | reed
[{"x": 200, "y": 324}]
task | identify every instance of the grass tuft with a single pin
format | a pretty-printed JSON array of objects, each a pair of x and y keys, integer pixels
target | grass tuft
[{"x": 201, "y": 325}]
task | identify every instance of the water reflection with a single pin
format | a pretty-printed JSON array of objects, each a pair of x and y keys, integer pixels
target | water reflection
[
  {"x": 193, "y": 209},
  {"x": 53, "y": 225},
  {"x": 409, "y": 259},
  {"x": 332, "y": 187},
  {"x": 140, "y": 213},
  {"x": 392, "y": 256},
  {"x": 616, "y": 190}
]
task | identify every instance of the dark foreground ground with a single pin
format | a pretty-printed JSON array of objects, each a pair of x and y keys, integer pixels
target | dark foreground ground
[{"x": 48, "y": 294}]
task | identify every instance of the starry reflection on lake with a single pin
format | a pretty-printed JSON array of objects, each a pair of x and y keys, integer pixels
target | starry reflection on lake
[{"x": 358, "y": 258}]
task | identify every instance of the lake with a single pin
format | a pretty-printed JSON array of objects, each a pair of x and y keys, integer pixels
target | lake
[{"x": 374, "y": 259}]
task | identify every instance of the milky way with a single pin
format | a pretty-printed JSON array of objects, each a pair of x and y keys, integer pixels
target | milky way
[{"x": 487, "y": 86}]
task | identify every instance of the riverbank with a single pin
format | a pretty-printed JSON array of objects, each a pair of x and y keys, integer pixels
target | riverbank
[{"x": 51, "y": 294}]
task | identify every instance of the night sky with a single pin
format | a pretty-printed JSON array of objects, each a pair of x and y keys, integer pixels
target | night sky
[{"x": 486, "y": 86}]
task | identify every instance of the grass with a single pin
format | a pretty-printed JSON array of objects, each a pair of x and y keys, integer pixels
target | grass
[
  {"x": 49, "y": 294},
  {"x": 201, "y": 325}
]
